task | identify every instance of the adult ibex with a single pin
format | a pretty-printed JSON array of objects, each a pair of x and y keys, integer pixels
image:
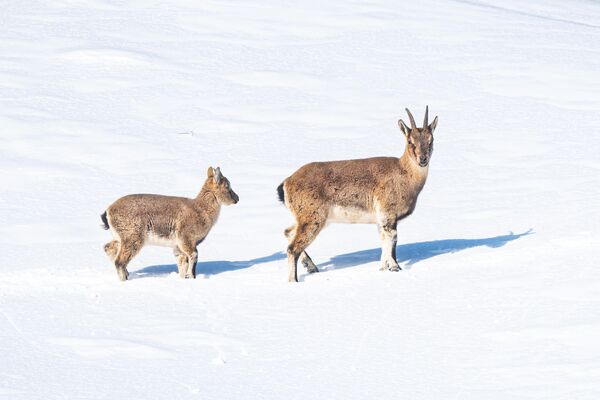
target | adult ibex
[
  {"x": 177, "y": 222},
  {"x": 379, "y": 190}
]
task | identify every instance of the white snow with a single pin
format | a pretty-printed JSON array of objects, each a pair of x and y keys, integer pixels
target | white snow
[{"x": 500, "y": 293}]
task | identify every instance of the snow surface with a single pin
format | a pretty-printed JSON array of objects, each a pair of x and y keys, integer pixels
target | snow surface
[{"x": 500, "y": 296}]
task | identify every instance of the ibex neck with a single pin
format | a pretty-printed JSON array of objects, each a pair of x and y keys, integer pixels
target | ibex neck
[
  {"x": 417, "y": 174},
  {"x": 207, "y": 202}
]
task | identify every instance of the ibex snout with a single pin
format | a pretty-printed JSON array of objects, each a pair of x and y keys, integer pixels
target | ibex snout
[{"x": 423, "y": 160}]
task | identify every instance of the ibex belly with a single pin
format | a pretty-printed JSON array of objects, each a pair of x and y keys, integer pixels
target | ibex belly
[
  {"x": 153, "y": 239},
  {"x": 350, "y": 215}
]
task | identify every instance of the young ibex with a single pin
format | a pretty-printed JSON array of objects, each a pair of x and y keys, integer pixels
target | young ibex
[
  {"x": 380, "y": 190},
  {"x": 177, "y": 222}
]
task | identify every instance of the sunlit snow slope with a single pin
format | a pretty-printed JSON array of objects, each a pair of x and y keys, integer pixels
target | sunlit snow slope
[{"x": 500, "y": 293}]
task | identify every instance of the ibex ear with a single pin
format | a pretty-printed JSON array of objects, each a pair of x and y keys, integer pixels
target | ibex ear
[
  {"x": 405, "y": 129},
  {"x": 218, "y": 175},
  {"x": 210, "y": 173},
  {"x": 433, "y": 125}
]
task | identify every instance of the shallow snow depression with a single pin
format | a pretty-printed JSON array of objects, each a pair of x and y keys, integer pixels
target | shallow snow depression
[{"x": 500, "y": 293}]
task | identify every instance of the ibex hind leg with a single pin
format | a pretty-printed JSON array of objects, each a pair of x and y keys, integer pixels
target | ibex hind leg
[
  {"x": 308, "y": 263},
  {"x": 305, "y": 259},
  {"x": 304, "y": 235},
  {"x": 128, "y": 249},
  {"x": 112, "y": 249}
]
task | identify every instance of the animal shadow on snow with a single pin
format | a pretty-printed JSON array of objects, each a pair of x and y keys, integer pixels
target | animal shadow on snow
[
  {"x": 209, "y": 267},
  {"x": 412, "y": 253},
  {"x": 406, "y": 254}
]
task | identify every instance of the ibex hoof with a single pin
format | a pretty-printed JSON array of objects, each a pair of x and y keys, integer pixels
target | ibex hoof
[
  {"x": 123, "y": 275},
  {"x": 388, "y": 266},
  {"x": 311, "y": 268}
]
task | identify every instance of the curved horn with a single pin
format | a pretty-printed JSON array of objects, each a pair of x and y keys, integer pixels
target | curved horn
[
  {"x": 412, "y": 120},
  {"x": 425, "y": 123}
]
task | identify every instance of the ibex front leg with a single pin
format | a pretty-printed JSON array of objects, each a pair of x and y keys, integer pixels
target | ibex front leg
[
  {"x": 191, "y": 269},
  {"x": 389, "y": 238},
  {"x": 190, "y": 251},
  {"x": 182, "y": 262}
]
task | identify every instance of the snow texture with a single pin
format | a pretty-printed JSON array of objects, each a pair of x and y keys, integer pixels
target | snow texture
[{"x": 500, "y": 293}]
